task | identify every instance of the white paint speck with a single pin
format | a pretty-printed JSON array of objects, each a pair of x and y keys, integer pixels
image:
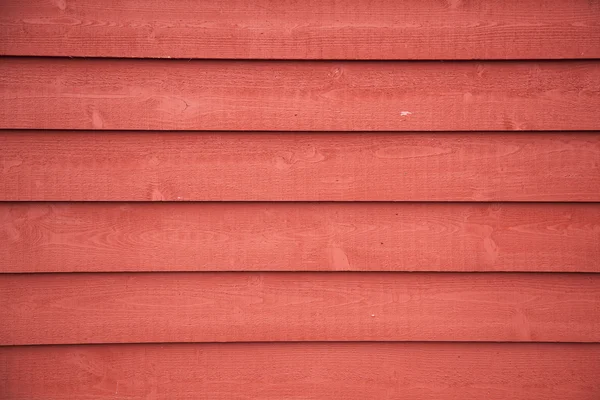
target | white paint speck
[
  {"x": 372, "y": 315},
  {"x": 405, "y": 113}
]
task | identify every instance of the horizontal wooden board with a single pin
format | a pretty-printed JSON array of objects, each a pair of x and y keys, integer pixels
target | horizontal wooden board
[
  {"x": 41, "y": 93},
  {"x": 312, "y": 29},
  {"x": 99, "y": 237},
  {"x": 348, "y": 371},
  {"x": 245, "y": 307},
  {"x": 263, "y": 166}
]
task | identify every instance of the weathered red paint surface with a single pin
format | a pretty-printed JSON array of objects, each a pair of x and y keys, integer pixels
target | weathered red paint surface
[
  {"x": 270, "y": 307},
  {"x": 355, "y": 371},
  {"x": 246, "y": 236},
  {"x": 41, "y": 93},
  {"x": 308, "y": 29},
  {"x": 281, "y": 173},
  {"x": 234, "y": 166}
]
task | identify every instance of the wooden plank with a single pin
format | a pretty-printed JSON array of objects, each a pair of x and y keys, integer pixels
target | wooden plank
[
  {"x": 300, "y": 166},
  {"x": 40, "y": 93},
  {"x": 324, "y": 29},
  {"x": 349, "y": 371},
  {"x": 113, "y": 237},
  {"x": 248, "y": 307}
]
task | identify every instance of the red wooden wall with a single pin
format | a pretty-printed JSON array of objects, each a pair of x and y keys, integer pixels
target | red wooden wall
[{"x": 283, "y": 199}]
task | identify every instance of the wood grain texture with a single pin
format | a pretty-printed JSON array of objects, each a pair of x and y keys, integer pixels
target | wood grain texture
[
  {"x": 348, "y": 371},
  {"x": 263, "y": 166},
  {"x": 323, "y": 29},
  {"x": 101, "y": 237},
  {"x": 249, "y": 307},
  {"x": 40, "y": 93}
]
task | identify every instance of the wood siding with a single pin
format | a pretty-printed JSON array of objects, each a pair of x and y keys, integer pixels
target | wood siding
[
  {"x": 285, "y": 236},
  {"x": 228, "y": 166},
  {"x": 337, "y": 199},
  {"x": 273, "y": 371},
  {"x": 309, "y": 29},
  {"x": 41, "y": 93},
  {"x": 248, "y": 307}
]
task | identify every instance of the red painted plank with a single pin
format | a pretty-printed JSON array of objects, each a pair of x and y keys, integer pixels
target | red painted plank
[
  {"x": 300, "y": 166},
  {"x": 310, "y": 29},
  {"x": 244, "y": 307},
  {"x": 348, "y": 371},
  {"x": 101, "y": 237},
  {"x": 43, "y": 93}
]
